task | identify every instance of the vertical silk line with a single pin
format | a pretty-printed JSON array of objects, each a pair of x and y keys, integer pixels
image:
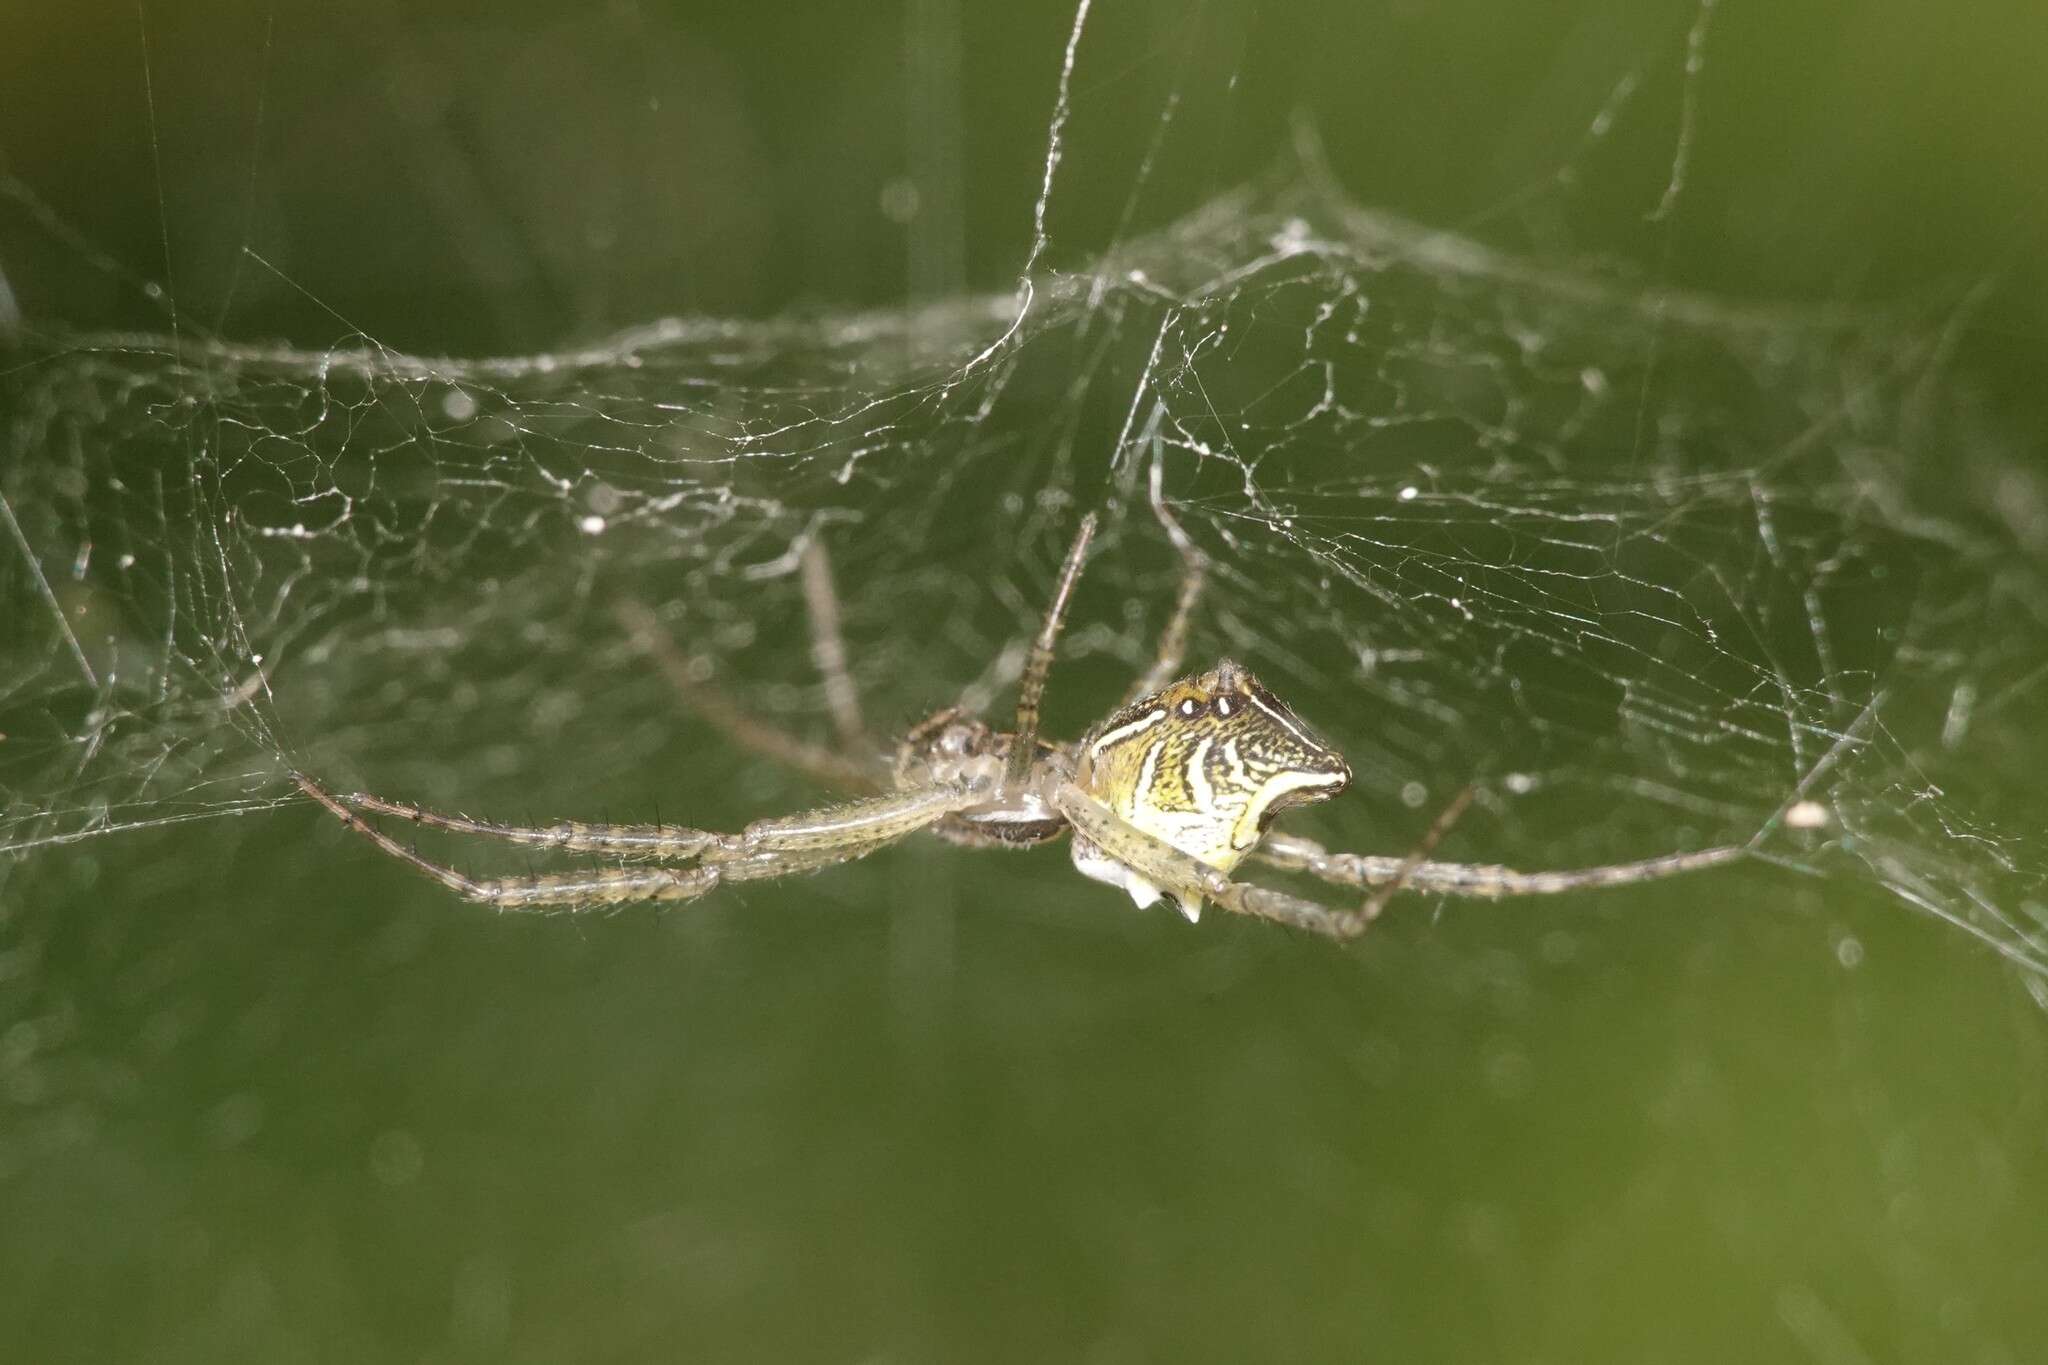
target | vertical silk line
[{"x": 1055, "y": 147}]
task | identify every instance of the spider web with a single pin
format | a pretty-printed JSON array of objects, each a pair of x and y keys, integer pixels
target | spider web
[{"x": 1653, "y": 572}]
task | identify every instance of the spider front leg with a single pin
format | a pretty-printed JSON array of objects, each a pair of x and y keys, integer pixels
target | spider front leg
[
  {"x": 1479, "y": 881},
  {"x": 1191, "y": 879},
  {"x": 1173, "y": 640},
  {"x": 1031, "y": 687}
]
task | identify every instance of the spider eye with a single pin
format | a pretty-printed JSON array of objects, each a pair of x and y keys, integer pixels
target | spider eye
[
  {"x": 1224, "y": 706},
  {"x": 1190, "y": 708}
]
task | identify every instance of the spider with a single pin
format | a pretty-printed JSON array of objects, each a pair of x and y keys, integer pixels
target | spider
[{"x": 1165, "y": 797}]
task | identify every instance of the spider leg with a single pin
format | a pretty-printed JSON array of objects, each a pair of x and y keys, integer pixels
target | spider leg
[
  {"x": 1419, "y": 855},
  {"x": 865, "y": 824},
  {"x": 1174, "y": 871},
  {"x": 1479, "y": 881},
  {"x": 1173, "y": 641},
  {"x": 1169, "y": 868},
  {"x": 582, "y": 890},
  {"x": 673, "y": 843},
  {"x": 766, "y": 866},
  {"x": 828, "y": 649},
  {"x": 691, "y": 680},
  {"x": 1031, "y": 687},
  {"x": 789, "y": 844},
  {"x": 870, "y": 819}
]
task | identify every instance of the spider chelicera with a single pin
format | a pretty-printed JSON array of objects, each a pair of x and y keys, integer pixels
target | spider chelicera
[{"x": 1164, "y": 797}]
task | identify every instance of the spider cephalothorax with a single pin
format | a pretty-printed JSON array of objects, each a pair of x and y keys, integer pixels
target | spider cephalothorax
[
  {"x": 957, "y": 748},
  {"x": 1165, "y": 797},
  {"x": 1204, "y": 764}
]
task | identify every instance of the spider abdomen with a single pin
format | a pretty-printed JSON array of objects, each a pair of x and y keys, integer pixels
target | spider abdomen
[{"x": 1204, "y": 765}]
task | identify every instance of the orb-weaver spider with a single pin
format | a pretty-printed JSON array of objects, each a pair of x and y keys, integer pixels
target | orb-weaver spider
[{"x": 1164, "y": 797}]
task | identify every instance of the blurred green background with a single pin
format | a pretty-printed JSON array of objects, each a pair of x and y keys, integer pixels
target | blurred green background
[
  {"x": 483, "y": 178},
  {"x": 264, "y": 1096}
]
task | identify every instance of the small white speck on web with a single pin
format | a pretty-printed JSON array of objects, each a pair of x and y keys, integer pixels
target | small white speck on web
[
  {"x": 1413, "y": 794},
  {"x": 592, "y": 525},
  {"x": 458, "y": 405},
  {"x": 1410, "y": 493},
  {"x": 1849, "y": 952},
  {"x": 1521, "y": 784},
  {"x": 1807, "y": 815}
]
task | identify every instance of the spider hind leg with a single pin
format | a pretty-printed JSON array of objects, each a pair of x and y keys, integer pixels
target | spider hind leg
[
  {"x": 578, "y": 890},
  {"x": 783, "y": 846},
  {"x": 672, "y": 842}
]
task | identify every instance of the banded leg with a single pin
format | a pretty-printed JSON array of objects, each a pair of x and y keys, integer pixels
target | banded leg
[
  {"x": 668, "y": 843},
  {"x": 796, "y": 862},
  {"x": 766, "y": 848},
  {"x": 868, "y": 823},
  {"x": 865, "y": 820},
  {"x": 1174, "y": 871},
  {"x": 1031, "y": 687},
  {"x": 693, "y": 687},
  {"x": 574, "y": 890},
  {"x": 1479, "y": 881},
  {"x": 1173, "y": 641}
]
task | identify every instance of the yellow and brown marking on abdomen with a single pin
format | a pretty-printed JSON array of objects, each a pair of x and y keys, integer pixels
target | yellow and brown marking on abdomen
[{"x": 1205, "y": 763}]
